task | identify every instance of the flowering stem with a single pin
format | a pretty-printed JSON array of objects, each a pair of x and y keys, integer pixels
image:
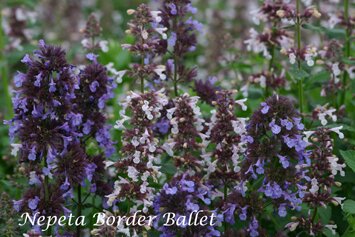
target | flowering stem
[
  {"x": 314, "y": 214},
  {"x": 347, "y": 48},
  {"x": 225, "y": 199},
  {"x": 46, "y": 194},
  {"x": 142, "y": 78},
  {"x": 175, "y": 78},
  {"x": 78, "y": 227},
  {"x": 271, "y": 62},
  {"x": 300, "y": 81},
  {"x": 175, "y": 81}
]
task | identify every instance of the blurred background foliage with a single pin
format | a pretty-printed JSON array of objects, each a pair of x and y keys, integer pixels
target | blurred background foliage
[{"x": 221, "y": 53}]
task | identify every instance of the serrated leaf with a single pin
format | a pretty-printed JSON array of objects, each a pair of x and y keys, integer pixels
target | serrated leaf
[
  {"x": 349, "y": 206},
  {"x": 349, "y": 157}
]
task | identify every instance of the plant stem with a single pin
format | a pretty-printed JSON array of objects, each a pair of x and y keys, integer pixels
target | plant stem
[
  {"x": 300, "y": 81},
  {"x": 271, "y": 63},
  {"x": 46, "y": 193},
  {"x": 225, "y": 191},
  {"x": 314, "y": 214},
  {"x": 142, "y": 78},
  {"x": 347, "y": 49},
  {"x": 175, "y": 77},
  {"x": 78, "y": 227}
]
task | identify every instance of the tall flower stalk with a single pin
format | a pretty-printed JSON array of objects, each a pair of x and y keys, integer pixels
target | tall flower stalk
[
  {"x": 150, "y": 35},
  {"x": 300, "y": 80},
  {"x": 181, "y": 40},
  {"x": 347, "y": 47}
]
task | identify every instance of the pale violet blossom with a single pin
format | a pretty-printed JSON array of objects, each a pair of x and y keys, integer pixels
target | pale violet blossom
[
  {"x": 15, "y": 148},
  {"x": 255, "y": 45},
  {"x": 335, "y": 166},
  {"x": 337, "y": 131}
]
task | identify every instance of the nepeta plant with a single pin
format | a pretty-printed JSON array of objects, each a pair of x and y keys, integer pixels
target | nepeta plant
[
  {"x": 57, "y": 110},
  {"x": 321, "y": 175},
  {"x": 275, "y": 163},
  {"x": 149, "y": 35},
  {"x": 181, "y": 39},
  {"x": 186, "y": 129},
  {"x": 139, "y": 168},
  {"x": 44, "y": 128}
]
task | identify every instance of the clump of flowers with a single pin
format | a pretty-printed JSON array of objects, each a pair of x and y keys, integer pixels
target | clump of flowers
[
  {"x": 227, "y": 133},
  {"x": 186, "y": 126},
  {"x": 96, "y": 88},
  {"x": 325, "y": 166},
  {"x": 185, "y": 195},
  {"x": 207, "y": 90},
  {"x": 324, "y": 113},
  {"x": 92, "y": 32},
  {"x": 181, "y": 40},
  {"x": 267, "y": 79},
  {"x": 149, "y": 42},
  {"x": 16, "y": 26},
  {"x": 140, "y": 150},
  {"x": 42, "y": 104},
  {"x": 276, "y": 155},
  {"x": 56, "y": 111},
  {"x": 261, "y": 43}
]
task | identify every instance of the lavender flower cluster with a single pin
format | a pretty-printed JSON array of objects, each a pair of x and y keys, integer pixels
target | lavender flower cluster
[{"x": 58, "y": 109}]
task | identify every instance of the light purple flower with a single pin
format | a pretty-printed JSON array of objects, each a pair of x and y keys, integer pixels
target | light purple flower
[
  {"x": 32, "y": 154},
  {"x": 33, "y": 203},
  {"x": 243, "y": 214},
  {"x": 265, "y": 108},
  {"x": 52, "y": 86},
  {"x": 19, "y": 78},
  {"x": 17, "y": 204},
  {"x": 90, "y": 170},
  {"x": 172, "y": 40},
  {"x": 26, "y": 59},
  {"x": 286, "y": 123},
  {"x": 282, "y": 211},
  {"x": 192, "y": 206},
  {"x": 187, "y": 185},
  {"x": 37, "y": 83},
  {"x": 168, "y": 190},
  {"x": 91, "y": 57},
  {"x": 93, "y": 86},
  {"x": 173, "y": 9},
  {"x": 276, "y": 129},
  {"x": 284, "y": 161}
]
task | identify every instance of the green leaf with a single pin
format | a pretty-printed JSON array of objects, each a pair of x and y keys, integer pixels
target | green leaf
[
  {"x": 349, "y": 157},
  {"x": 349, "y": 206},
  {"x": 327, "y": 232},
  {"x": 298, "y": 74},
  {"x": 325, "y": 214},
  {"x": 332, "y": 33},
  {"x": 349, "y": 61}
]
